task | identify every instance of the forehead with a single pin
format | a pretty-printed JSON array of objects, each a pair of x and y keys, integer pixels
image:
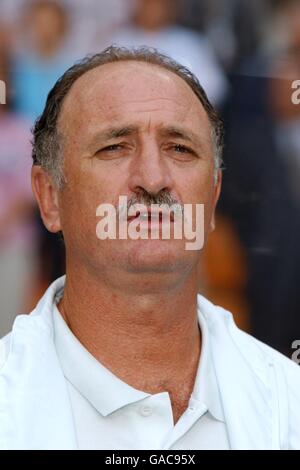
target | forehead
[{"x": 133, "y": 91}]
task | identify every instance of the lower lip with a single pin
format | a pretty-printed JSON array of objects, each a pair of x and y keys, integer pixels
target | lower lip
[{"x": 153, "y": 223}]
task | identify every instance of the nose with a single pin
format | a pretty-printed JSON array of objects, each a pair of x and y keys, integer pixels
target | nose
[{"x": 149, "y": 171}]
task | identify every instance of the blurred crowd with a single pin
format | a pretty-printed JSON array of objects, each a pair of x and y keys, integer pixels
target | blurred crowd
[{"x": 246, "y": 55}]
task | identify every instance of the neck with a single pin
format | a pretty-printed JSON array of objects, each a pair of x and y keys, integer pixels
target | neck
[{"x": 148, "y": 340}]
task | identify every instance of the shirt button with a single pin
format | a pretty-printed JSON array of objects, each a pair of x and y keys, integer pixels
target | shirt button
[{"x": 146, "y": 411}]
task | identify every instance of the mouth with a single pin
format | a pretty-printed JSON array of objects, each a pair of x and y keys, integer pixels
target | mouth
[{"x": 153, "y": 216}]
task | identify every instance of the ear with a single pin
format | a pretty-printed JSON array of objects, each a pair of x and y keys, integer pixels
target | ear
[
  {"x": 217, "y": 191},
  {"x": 46, "y": 195}
]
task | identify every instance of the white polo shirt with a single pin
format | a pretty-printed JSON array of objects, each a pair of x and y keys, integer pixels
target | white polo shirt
[{"x": 110, "y": 414}]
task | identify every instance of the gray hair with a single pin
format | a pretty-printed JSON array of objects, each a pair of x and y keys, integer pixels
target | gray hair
[{"x": 47, "y": 142}]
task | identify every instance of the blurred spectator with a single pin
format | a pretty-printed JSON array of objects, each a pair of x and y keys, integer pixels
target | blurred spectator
[
  {"x": 89, "y": 21},
  {"x": 234, "y": 27},
  {"x": 17, "y": 231},
  {"x": 42, "y": 59},
  {"x": 93, "y": 21},
  {"x": 153, "y": 24}
]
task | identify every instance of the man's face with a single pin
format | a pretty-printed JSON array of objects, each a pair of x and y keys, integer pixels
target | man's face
[{"x": 130, "y": 127}]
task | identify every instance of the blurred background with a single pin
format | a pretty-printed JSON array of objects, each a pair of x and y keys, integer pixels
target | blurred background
[{"x": 246, "y": 55}]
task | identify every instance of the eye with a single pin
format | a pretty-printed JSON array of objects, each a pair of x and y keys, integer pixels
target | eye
[
  {"x": 111, "y": 148},
  {"x": 181, "y": 149},
  {"x": 183, "y": 152},
  {"x": 111, "y": 152}
]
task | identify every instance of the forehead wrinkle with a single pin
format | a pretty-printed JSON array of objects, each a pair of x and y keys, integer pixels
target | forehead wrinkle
[{"x": 149, "y": 125}]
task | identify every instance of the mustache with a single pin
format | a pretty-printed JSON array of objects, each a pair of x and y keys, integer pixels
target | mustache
[{"x": 146, "y": 198}]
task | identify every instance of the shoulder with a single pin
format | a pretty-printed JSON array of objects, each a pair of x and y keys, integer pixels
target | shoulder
[
  {"x": 256, "y": 351},
  {"x": 284, "y": 379},
  {"x": 40, "y": 318}
]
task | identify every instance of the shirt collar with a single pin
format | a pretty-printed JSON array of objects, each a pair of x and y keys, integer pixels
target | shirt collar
[
  {"x": 93, "y": 381},
  {"x": 206, "y": 389},
  {"x": 107, "y": 393}
]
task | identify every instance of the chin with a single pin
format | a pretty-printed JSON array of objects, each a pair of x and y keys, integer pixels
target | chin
[{"x": 157, "y": 256}]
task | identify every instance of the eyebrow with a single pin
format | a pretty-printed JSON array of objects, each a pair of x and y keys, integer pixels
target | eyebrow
[
  {"x": 116, "y": 132},
  {"x": 181, "y": 133}
]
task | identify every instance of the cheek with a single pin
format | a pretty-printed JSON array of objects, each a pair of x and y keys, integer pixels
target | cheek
[
  {"x": 198, "y": 187},
  {"x": 81, "y": 198},
  {"x": 87, "y": 186}
]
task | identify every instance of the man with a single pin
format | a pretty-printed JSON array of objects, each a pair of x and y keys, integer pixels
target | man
[{"x": 122, "y": 354}]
